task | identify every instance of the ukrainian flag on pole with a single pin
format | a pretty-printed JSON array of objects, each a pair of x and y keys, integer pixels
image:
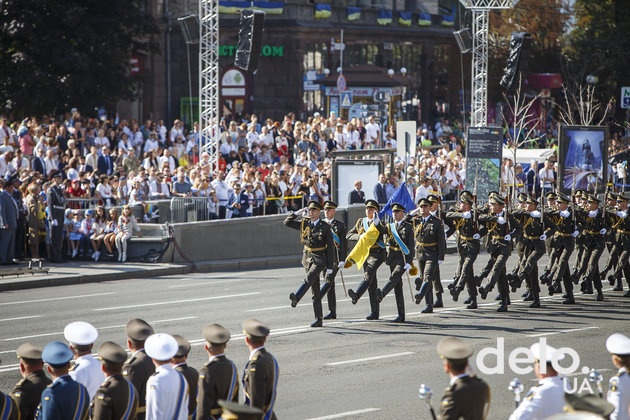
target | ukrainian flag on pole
[{"x": 361, "y": 250}]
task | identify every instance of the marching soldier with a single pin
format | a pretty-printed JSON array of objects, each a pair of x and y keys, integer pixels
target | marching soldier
[
  {"x": 86, "y": 370},
  {"x": 260, "y": 378},
  {"x": 552, "y": 201},
  {"x": 190, "y": 374},
  {"x": 501, "y": 226},
  {"x": 580, "y": 249},
  {"x": 430, "y": 251},
  {"x": 374, "y": 260},
  {"x": 64, "y": 398},
  {"x": 320, "y": 254},
  {"x": 437, "y": 278},
  {"x": 399, "y": 258},
  {"x": 594, "y": 243},
  {"x": 618, "y": 345},
  {"x": 466, "y": 395},
  {"x": 56, "y": 209},
  {"x": 139, "y": 367},
  {"x": 28, "y": 392},
  {"x": 519, "y": 244},
  {"x": 218, "y": 379},
  {"x": 621, "y": 223},
  {"x": 611, "y": 236},
  {"x": 8, "y": 407},
  {"x": 465, "y": 222},
  {"x": 339, "y": 233},
  {"x": 116, "y": 398}
]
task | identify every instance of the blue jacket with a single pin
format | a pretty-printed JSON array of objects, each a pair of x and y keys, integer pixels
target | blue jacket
[
  {"x": 8, "y": 210},
  {"x": 64, "y": 399}
]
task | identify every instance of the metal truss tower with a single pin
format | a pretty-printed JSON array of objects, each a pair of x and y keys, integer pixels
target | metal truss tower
[
  {"x": 480, "y": 13},
  {"x": 209, "y": 80}
]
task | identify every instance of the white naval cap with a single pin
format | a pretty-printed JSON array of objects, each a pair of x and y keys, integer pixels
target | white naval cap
[
  {"x": 80, "y": 332},
  {"x": 549, "y": 352},
  {"x": 161, "y": 347},
  {"x": 618, "y": 344}
]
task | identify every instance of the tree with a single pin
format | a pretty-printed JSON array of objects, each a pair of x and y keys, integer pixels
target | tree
[{"x": 56, "y": 54}]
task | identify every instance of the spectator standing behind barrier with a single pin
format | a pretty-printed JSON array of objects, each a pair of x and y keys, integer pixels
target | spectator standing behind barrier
[
  {"x": 356, "y": 196},
  {"x": 33, "y": 222},
  {"x": 126, "y": 226},
  {"x": 8, "y": 223},
  {"x": 380, "y": 191},
  {"x": 221, "y": 188}
]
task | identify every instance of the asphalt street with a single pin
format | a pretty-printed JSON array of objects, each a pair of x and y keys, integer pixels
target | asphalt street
[{"x": 350, "y": 368}]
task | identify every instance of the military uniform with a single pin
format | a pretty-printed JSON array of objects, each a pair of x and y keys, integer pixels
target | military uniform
[
  {"x": 580, "y": 261},
  {"x": 318, "y": 241},
  {"x": 595, "y": 223},
  {"x": 621, "y": 267},
  {"x": 56, "y": 202},
  {"x": 563, "y": 246},
  {"x": 375, "y": 259},
  {"x": 8, "y": 408},
  {"x": 611, "y": 235},
  {"x": 28, "y": 392},
  {"x": 260, "y": 377},
  {"x": 339, "y": 232},
  {"x": 86, "y": 370},
  {"x": 190, "y": 374},
  {"x": 399, "y": 259},
  {"x": 139, "y": 367},
  {"x": 619, "y": 385}
]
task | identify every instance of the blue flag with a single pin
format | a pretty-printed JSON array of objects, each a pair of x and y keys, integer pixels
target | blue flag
[{"x": 401, "y": 196}]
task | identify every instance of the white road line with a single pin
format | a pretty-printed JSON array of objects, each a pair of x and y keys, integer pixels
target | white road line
[
  {"x": 561, "y": 332},
  {"x": 57, "y": 298},
  {"x": 20, "y": 317},
  {"x": 171, "y": 302},
  {"x": 365, "y": 359},
  {"x": 346, "y": 414}
]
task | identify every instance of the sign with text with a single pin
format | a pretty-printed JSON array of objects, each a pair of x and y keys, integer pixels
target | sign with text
[
  {"x": 625, "y": 97},
  {"x": 484, "y": 150}
]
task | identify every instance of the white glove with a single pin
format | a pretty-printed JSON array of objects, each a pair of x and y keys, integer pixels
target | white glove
[
  {"x": 501, "y": 220},
  {"x": 535, "y": 214},
  {"x": 440, "y": 262},
  {"x": 301, "y": 212},
  {"x": 565, "y": 213},
  {"x": 622, "y": 214},
  {"x": 54, "y": 222},
  {"x": 407, "y": 267},
  {"x": 328, "y": 271},
  {"x": 543, "y": 237},
  {"x": 575, "y": 234},
  {"x": 341, "y": 265},
  {"x": 415, "y": 211},
  {"x": 466, "y": 215},
  {"x": 376, "y": 220},
  {"x": 603, "y": 231},
  {"x": 507, "y": 237},
  {"x": 476, "y": 236},
  {"x": 592, "y": 213}
]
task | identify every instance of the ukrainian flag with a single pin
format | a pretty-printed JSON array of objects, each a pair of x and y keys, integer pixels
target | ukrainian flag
[
  {"x": 449, "y": 20},
  {"x": 226, "y": 6},
  {"x": 424, "y": 19},
  {"x": 322, "y": 11},
  {"x": 354, "y": 13},
  {"x": 270, "y": 7},
  {"x": 361, "y": 250},
  {"x": 404, "y": 18},
  {"x": 384, "y": 17}
]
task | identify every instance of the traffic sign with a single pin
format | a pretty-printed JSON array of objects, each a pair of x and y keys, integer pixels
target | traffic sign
[
  {"x": 625, "y": 97},
  {"x": 381, "y": 95},
  {"x": 341, "y": 83},
  {"x": 346, "y": 99}
]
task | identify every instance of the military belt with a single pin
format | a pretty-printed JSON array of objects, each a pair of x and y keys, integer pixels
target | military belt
[
  {"x": 394, "y": 248},
  {"x": 591, "y": 232},
  {"x": 531, "y": 238},
  {"x": 309, "y": 249},
  {"x": 625, "y": 232},
  {"x": 425, "y": 245},
  {"x": 141, "y": 409},
  {"x": 566, "y": 235},
  {"x": 216, "y": 411},
  {"x": 498, "y": 237},
  {"x": 467, "y": 238}
]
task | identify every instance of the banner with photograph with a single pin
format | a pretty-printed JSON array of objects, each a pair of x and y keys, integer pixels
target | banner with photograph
[
  {"x": 582, "y": 159},
  {"x": 484, "y": 149}
]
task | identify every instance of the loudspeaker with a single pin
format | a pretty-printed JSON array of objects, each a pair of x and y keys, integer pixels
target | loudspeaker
[
  {"x": 464, "y": 40},
  {"x": 518, "y": 59},
  {"x": 249, "y": 39}
]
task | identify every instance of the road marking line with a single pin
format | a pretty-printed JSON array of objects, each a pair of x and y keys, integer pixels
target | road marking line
[
  {"x": 346, "y": 414},
  {"x": 365, "y": 359},
  {"x": 20, "y": 317},
  {"x": 57, "y": 298},
  {"x": 176, "y": 301},
  {"x": 270, "y": 308},
  {"x": 561, "y": 332}
]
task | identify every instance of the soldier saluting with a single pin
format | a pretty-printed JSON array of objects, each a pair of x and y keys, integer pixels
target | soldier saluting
[
  {"x": 339, "y": 232},
  {"x": 320, "y": 254}
]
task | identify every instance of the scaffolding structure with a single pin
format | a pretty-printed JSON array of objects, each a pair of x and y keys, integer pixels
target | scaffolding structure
[
  {"x": 209, "y": 80},
  {"x": 480, "y": 14}
]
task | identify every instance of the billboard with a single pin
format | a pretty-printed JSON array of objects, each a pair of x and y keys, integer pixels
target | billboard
[
  {"x": 484, "y": 150},
  {"x": 582, "y": 158}
]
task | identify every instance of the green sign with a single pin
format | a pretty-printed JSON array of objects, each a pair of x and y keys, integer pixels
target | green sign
[{"x": 267, "y": 51}]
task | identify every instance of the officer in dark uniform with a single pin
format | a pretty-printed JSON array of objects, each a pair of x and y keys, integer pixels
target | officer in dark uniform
[
  {"x": 551, "y": 206},
  {"x": 466, "y": 396},
  {"x": 117, "y": 398},
  {"x": 399, "y": 258},
  {"x": 501, "y": 227},
  {"x": 321, "y": 253},
  {"x": 580, "y": 248},
  {"x": 190, "y": 374},
  {"x": 64, "y": 398},
  {"x": 611, "y": 235},
  {"x": 430, "y": 251},
  {"x": 8, "y": 407},
  {"x": 374, "y": 260},
  {"x": 218, "y": 379},
  {"x": 519, "y": 244},
  {"x": 260, "y": 377},
  {"x": 56, "y": 208},
  {"x": 28, "y": 392},
  {"x": 339, "y": 233},
  {"x": 466, "y": 223},
  {"x": 621, "y": 223},
  {"x": 596, "y": 227},
  {"x": 436, "y": 212},
  {"x": 139, "y": 367}
]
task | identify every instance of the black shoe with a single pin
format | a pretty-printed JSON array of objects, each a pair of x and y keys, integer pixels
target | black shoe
[
  {"x": 602, "y": 275},
  {"x": 478, "y": 281},
  {"x": 418, "y": 281},
  {"x": 600, "y": 296},
  {"x": 427, "y": 310},
  {"x": 294, "y": 300},
  {"x": 473, "y": 305},
  {"x": 438, "y": 302},
  {"x": 455, "y": 293},
  {"x": 627, "y": 294},
  {"x": 371, "y": 317},
  {"x": 379, "y": 295},
  {"x": 483, "y": 293},
  {"x": 618, "y": 288},
  {"x": 318, "y": 323},
  {"x": 399, "y": 319},
  {"x": 353, "y": 296},
  {"x": 568, "y": 301},
  {"x": 502, "y": 308},
  {"x": 467, "y": 301},
  {"x": 535, "y": 304},
  {"x": 611, "y": 280},
  {"x": 529, "y": 298},
  {"x": 525, "y": 294},
  {"x": 498, "y": 297},
  {"x": 331, "y": 315},
  {"x": 551, "y": 290}
]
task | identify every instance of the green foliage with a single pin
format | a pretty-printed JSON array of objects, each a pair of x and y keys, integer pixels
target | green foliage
[{"x": 55, "y": 54}]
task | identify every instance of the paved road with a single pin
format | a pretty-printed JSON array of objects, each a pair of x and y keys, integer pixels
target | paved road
[{"x": 364, "y": 369}]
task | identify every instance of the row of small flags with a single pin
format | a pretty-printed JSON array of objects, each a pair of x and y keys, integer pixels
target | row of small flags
[{"x": 324, "y": 11}]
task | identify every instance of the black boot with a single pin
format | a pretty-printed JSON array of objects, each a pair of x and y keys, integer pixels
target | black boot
[
  {"x": 317, "y": 308},
  {"x": 627, "y": 294},
  {"x": 429, "y": 300},
  {"x": 455, "y": 293},
  {"x": 600, "y": 295},
  {"x": 525, "y": 294},
  {"x": 575, "y": 277},
  {"x": 418, "y": 282},
  {"x": 504, "y": 306},
  {"x": 452, "y": 285},
  {"x": 380, "y": 294},
  {"x": 297, "y": 296},
  {"x": 529, "y": 297},
  {"x": 618, "y": 287},
  {"x": 498, "y": 297},
  {"x": 425, "y": 290},
  {"x": 478, "y": 280},
  {"x": 438, "y": 301},
  {"x": 473, "y": 303},
  {"x": 355, "y": 296},
  {"x": 536, "y": 300},
  {"x": 570, "y": 299},
  {"x": 544, "y": 278},
  {"x": 611, "y": 280},
  {"x": 469, "y": 300},
  {"x": 483, "y": 292}
]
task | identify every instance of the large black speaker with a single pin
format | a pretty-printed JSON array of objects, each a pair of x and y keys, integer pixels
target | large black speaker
[
  {"x": 518, "y": 59},
  {"x": 249, "y": 39},
  {"x": 464, "y": 40}
]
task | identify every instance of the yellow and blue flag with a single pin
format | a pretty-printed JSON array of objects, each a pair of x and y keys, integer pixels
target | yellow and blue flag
[
  {"x": 322, "y": 11},
  {"x": 384, "y": 17},
  {"x": 361, "y": 250},
  {"x": 354, "y": 13},
  {"x": 449, "y": 20},
  {"x": 424, "y": 19},
  {"x": 404, "y": 18}
]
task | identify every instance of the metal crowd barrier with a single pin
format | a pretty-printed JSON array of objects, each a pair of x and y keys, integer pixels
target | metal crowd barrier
[{"x": 190, "y": 209}]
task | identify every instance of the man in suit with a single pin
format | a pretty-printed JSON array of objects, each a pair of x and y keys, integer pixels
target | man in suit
[
  {"x": 139, "y": 367},
  {"x": 8, "y": 223},
  {"x": 380, "y": 190},
  {"x": 190, "y": 373},
  {"x": 28, "y": 392},
  {"x": 218, "y": 379},
  {"x": 38, "y": 162},
  {"x": 56, "y": 213},
  {"x": 105, "y": 162},
  {"x": 260, "y": 378},
  {"x": 466, "y": 396},
  {"x": 356, "y": 196}
]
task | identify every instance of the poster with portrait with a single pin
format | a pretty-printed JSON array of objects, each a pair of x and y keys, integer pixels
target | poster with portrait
[
  {"x": 484, "y": 150},
  {"x": 582, "y": 159}
]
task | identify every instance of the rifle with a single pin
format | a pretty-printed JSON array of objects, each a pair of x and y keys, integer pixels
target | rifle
[{"x": 475, "y": 201}]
